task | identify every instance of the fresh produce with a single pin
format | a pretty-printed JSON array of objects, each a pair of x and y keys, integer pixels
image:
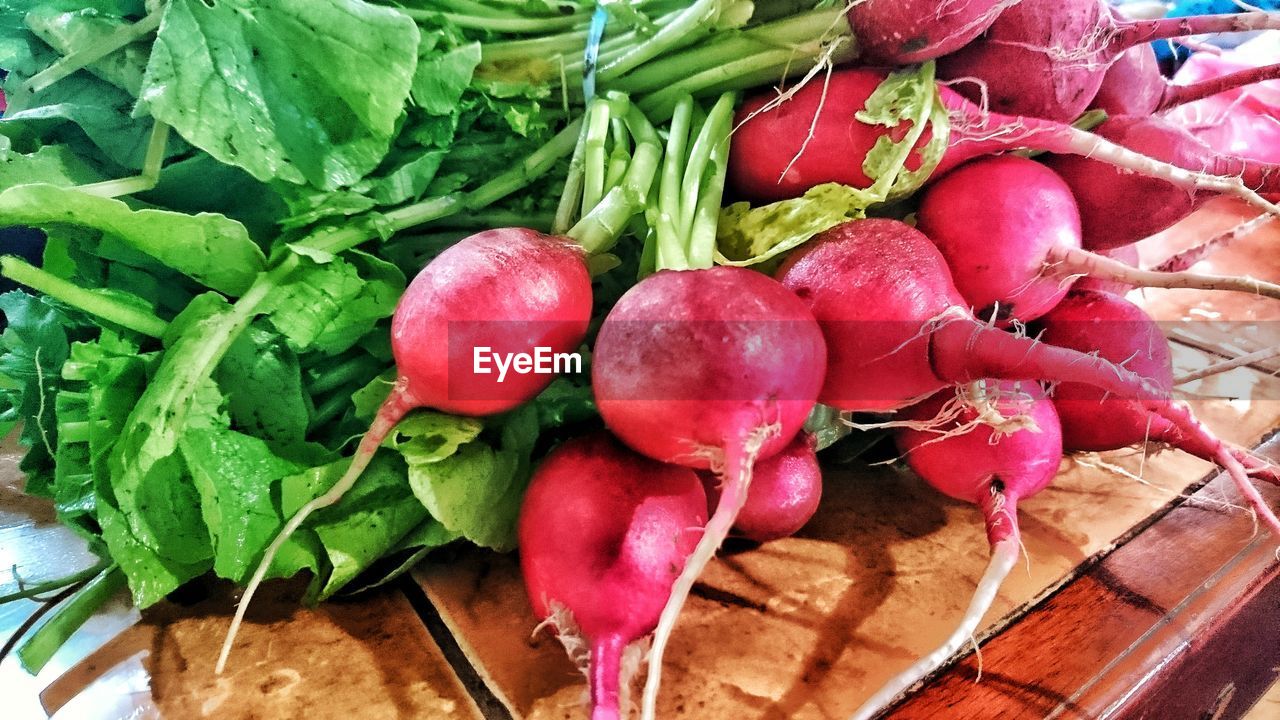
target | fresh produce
[
  {"x": 784, "y": 149},
  {"x": 954, "y": 447},
  {"x": 603, "y": 535},
  {"x": 1047, "y": 58},
  {"x": 1239, "y": 122},
  {"x": 899, "y": 32},
  {"x": 1101, "y": 191},
  {"x": 785, "y": 491},
  {"x": 897, "y": 329},
  {"x": 1120, "y": 331},
  {"x": 1133, "y": 84},
  {"x": 1010, "y": 232}
]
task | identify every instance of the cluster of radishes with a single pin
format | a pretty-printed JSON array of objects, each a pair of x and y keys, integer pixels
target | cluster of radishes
[{"x": 715, "y": 370}]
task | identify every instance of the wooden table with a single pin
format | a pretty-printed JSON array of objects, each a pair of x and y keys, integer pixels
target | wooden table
[{"x": 1146, "y": 593}]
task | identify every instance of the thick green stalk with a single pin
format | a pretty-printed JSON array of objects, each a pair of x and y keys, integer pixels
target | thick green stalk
[
  {"x": 702, "y": 232},
  {"x": 683, "y": 29},
  {"x": 531, "y": 168},
  {"x": 356, "y": 368},
  {"x": 48, "y": 586},
  {"x": 594, "y": 164},
  {"x": 714, "y": 130},
  {"x": 89, "y": 301},
  {"x": 143, "y": 181},
  {"x": 674, "y": 163},
  {"x": 39, "y": 647}
]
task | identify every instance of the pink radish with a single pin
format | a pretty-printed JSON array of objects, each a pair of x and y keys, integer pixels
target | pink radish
[
  {"x": 901, "y": 32},
  {"x": 1133, "y": 84},
  {"x": 1120, "y": 331},
  {"x": 504, "y": 295},
  {"x": 1047, "y": 58},
  {"x": 1127, "y": 254},
  {"x": 512, "y": 290},
  {"x": 1243, "y": 122},
  {"x": 603, "y": 535},
  {"x": 785, "y": 492},
  {"x": 816, "y": 137},
  {"x": 897, "y": 329},
  {"x": 1010, "y": 232},
  {"x": 1106, "y": 196},
  {"x": 713, "y": 367},
  {"x": 974, "y": 462}
]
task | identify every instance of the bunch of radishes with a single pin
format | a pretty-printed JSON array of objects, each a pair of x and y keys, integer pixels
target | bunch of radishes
[{"x": 704, "y": 375}]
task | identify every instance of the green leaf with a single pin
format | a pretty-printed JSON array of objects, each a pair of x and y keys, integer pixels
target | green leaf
[
  {"x": 426, "y": 436},
  {"x": 909, "y": 96},
  {"x": 329, "y": 306},
  {"x": 211, "y": 249},
  {"x": 52, "y": 164},
  {"x": 475, "y": 493},
  {"x": 262, "y": 383},
  {"x": 66, "y": 31},
  {"x": 296, "y": 90},
  {"x": 235, "y": 475},
  {"x": 147, "y": 474},
  {"x": 369, "y": 521},
  {"x": 441, "y": 79},
  {"x": 750, "y": 236}
]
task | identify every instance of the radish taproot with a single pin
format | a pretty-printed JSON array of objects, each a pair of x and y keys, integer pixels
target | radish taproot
[
  {"x": 785, "y": 492},
  {"x": 510, "y": 290},
  {"x": 1047, "y": 58},
  {"x": 989, "y": 467},
  {"x": 1010, "y": 232},
  {"x": 1133, "y": 85},
  {"x": 897, "y": 329},
  {"x": 1106, "y": 196},
  {"x": 703, "y": 366},
  {"x": 1120, "y": 331},
  {"x": 603, "y": 534},
  {"x": 783, "y": 148}
]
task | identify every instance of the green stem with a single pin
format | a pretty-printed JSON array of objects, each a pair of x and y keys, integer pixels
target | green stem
[
  {"x": 360, "y": 367},
  {"x": 143, "y": 181},
  {"x": 89, "y": 301},
  {"x": 36, "y": 651},
  {"x": 594, "y": 164},
  {"x": 702, "y": 231},
  {"x": 48, "y": 586},
  {"x": 682, "y": 30},
  {"x": 673, "y": 163},
  {"x": 510, "y": 24},
  {"x": 569, "y": 199},
  {"x": 600, "y": 228},
  {"x": 331, "y": 408},
  {"x": 714, "y": 129},
  {"x": 533, "y": 167},
  {"x": 78, "y": 432},
  {"x": 483, "y": 219},
  {"x": 94, "y": 52}
]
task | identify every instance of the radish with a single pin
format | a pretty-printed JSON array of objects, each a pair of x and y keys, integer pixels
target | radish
[
  {"x": 901, "y": 32},
  {"x": 1047, "y": 58},
  {"x": 702, "y": 366},
  {"x": 1107, "y": 196},
  {"x": 510, "y": 290},
  {"x": 1010, "y": 232},
  {"x": 603, "y": 535},
  {"x": 1120, "y": 331},
  {"x": 1133, "y": 84},
  {"x": 1127, "y": 254},
  {"x": 783, "y": 149},
  {"x": 1243, "y": 122},
  {"x": 993, "y": 469},
  {"x": 897, "y": 329},
  {"x": 785, "y": 492}
]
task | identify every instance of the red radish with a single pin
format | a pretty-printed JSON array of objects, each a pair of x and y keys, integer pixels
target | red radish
[
  {"x": 1127, "y": 254},
  {"x": 897, "y": 329},
  {"x": 1106, "y": 196},
  {"x": 1133, "y": 85},
  {"x": 816, "y": 137},
  {"x": 603, "y": 535},
  {"x": 785, "y": 492},
  {"x": 1243, "y": 122},
  {"x": 901, "y": 32},
  {"x": 978, "y": 464},
  {"x": 510, "y": 289},
  {"x": 713, "y": 367},
  {"x": 1047, "y": 58},
  {"x": 1120, "y": 331},
  {"x": 1010, "y": 232}
]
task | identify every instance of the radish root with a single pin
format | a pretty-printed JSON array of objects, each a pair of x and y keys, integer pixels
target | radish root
[
  {"x": 1193, "y": 255},
  {"x": 1071, "y": 261}
]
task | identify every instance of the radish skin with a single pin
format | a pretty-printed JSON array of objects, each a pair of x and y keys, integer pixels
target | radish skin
[
  {"x": 1047, "y": 58},
  {"x": 992, "y": 470},
  {"x": 902, "y": 32},
  {"x": 1009, "y": 229},
  {"x": 1133, "y": 85},
  {"x": 897, "y": 329},
  {"x": 1122, "y": 332},
  {"x": 545, "y": 302},
  {"x": 716, "y": 367},
  {"x": 785, "y": 492},
  {"x": 810, "y": 139},
  {"x": 603, "y": 534},
  {"x": 1104, "y": 193}
]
